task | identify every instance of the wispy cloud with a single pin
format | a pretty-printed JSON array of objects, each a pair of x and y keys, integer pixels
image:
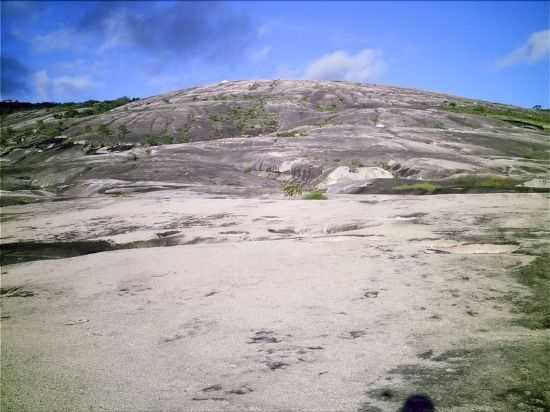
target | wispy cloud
[
  {"x": 535, "y": 49},
  {"x": 41, "y": 82},
  {"x": 70, "y": 84},
  {"x": 365, "y": 65},
  {"x": 63, "y": 39},
  {"x": 45, "y": 87},
  {"x": 259, "y": 54}
]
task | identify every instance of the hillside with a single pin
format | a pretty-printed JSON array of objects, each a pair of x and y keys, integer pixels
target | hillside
[{"x": 249, "y": 136}]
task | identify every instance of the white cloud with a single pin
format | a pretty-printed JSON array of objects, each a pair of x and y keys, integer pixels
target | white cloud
[
  {"x": 41, "y": 83},
  {"x": 57, "y": 87},
  {"x": 64, "y": 39},
  {"x": 117, "y": 32},
  {"x": 70, "y": 84},
  {"x": 260, "y": 54},
  {"x": 535, "y": 49},
  {"x": 365, "y": 65}
]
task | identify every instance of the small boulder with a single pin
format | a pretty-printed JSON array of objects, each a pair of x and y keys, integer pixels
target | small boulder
[
  {"x": 344, "y": 180},
  {"x": 538, "y": 183}
]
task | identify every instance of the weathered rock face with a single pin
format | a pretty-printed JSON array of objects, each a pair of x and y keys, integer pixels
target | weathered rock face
[{"x": 247, "y": 137}]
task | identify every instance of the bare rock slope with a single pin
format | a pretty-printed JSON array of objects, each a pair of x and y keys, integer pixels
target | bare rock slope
[{"x": 249, "y": 136}]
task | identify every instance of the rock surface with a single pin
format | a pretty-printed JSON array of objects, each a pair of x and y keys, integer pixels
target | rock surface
[
  {"x": 179, "y": 277},
  {"x": 261, "y": 304},
  {"x": 246, "y": 137}
]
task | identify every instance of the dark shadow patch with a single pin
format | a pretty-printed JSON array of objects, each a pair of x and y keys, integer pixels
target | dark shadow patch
[
  {"x": 18, "y": 252},
  {"x": 426, "y": 355},
  {"x": 353, "y": 334},
  {"x": 282, "y": 231},
  {"x": 15, "y": 292},
  {"x": 243, "y": 390},
  {"x": 172, "y": 338},
  {"x": 274, "y": 365},
  {"x": 168, "y": 233},
  {"x": 412, "y": 215},
  {"x": 263, "y": 336},
  {"x": 212, "y": 388}
]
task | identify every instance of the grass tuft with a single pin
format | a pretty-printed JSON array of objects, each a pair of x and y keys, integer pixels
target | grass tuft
[
  {"x": 292, "y": 189},
  {"x": 315, "y": 196},
  {"x": 486, "y": 182},
  {"x": 417, "y": 187}
]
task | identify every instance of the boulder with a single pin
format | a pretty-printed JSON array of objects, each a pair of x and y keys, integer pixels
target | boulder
[
  {"x": 538, "y": 183},
  {"x": 344, "y": 180}
]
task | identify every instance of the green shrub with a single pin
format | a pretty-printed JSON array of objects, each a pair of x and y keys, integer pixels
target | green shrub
[
  {"x": 423, "y": 187},
  {"x": 315, "y": 196},
  {"x": 292, "y": 189},
  {"x": 485, "y": 182},
  {"x": 287, "y": 133},
  {"x": 158, "y": 140}
]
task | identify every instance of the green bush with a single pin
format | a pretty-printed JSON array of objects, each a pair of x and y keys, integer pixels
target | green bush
[
  {"x": 158, "y": 140},
  {"x": 423, "y": 187},
  {"x": 292, "y": 189},
  {"x": 315, "y": 196},
  {"x": 485, "y": 182}
]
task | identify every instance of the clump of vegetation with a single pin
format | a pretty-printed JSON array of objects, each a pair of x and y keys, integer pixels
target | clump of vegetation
[
  {"x": 485, "y": 182},
  {"x": 158, "y": 140},
  {"x": 537, "y": 118},
  {"x": 508, "y": 377},
  {"x": 293, "y": 189},
  {"x": 422, "y": 187},
  {"x": 536, "y": 307},
  {"x": 251, "y": 119},
  {"x": 316, "y": 195},
  {"x": 287, "y": 133}
]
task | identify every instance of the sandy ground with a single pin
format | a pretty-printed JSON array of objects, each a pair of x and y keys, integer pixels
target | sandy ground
[{"x": 273, "y": 305}]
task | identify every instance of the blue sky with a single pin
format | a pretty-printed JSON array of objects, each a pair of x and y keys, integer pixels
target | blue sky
[{"x": 71, "y": 51}]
